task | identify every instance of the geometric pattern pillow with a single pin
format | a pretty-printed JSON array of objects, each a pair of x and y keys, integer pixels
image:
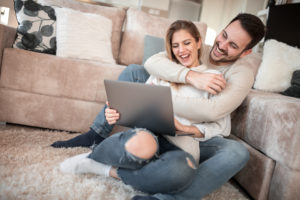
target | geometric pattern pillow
[{"x": 37, "y": 27}]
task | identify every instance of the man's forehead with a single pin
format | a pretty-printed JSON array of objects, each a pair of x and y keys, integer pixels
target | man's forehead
[{"x": 237, "y": 34}]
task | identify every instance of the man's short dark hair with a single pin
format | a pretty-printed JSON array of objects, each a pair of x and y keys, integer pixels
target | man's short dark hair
[{"x": 253, "y": 25}]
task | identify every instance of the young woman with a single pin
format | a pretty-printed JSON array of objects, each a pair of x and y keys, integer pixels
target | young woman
[{"x": 147, "y": 161}]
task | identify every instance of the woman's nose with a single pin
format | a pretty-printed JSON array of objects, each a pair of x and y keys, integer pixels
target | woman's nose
[{"x": 181, "y": 48}]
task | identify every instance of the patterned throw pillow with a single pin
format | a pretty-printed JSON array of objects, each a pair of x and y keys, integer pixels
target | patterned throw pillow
[{"x": 37, "y": 27}]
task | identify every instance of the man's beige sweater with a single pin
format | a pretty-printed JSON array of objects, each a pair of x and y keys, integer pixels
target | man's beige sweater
[{"x": 239, "y": 80}]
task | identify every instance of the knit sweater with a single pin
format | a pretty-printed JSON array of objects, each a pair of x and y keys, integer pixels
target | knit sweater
[
  {"x": 239, "y": 80},
  {"x": 219, "y": 127}
]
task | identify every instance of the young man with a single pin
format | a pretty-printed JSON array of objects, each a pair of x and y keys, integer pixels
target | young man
[{"x": 220, "y": 158}]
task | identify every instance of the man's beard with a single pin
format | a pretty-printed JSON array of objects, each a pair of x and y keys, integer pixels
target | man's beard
[{"x": 223, "y": 60}]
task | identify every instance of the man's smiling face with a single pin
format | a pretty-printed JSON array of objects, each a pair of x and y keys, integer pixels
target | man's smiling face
[{"x": 230, "y": 45}]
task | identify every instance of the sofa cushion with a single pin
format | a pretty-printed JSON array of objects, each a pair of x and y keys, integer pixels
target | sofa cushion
[
  {"x": 270, "y": 123},
  {"x": 55, "y": 76},
  {"x": 117, "y": 15},
  {"x": 37, "y": 27},
  {"x": 152, "y": 45},
  {"x": 138, "y": 24},
  {"x": 83, "y": 35},
  {"x": 279, "y": 61}
]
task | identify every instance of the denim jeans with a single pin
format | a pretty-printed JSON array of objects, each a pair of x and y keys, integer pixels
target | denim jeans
[
  {"x": 220, "y": 158},
  {"x": 153, "y": 175}
]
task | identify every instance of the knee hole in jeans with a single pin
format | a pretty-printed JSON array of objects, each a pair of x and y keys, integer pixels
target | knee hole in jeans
[
  {"x": 142, "y": 145},
  {"x": 190, "y": 163}
]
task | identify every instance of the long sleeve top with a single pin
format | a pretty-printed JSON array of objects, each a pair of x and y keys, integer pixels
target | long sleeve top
[
  {"x": 220, "y": 127},
  {"x": 239, "y": 77}
]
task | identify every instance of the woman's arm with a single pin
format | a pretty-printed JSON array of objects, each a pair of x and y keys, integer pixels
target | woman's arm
[{"x": 188, "y": 129}]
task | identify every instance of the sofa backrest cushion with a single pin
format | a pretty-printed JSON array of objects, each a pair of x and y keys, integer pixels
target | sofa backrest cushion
[
  {"x": 152, "y": 45},
  {"x": 117, "y": 15},
  {"x": 138, "y": 24},
  {"x": 83, "y": 35}
]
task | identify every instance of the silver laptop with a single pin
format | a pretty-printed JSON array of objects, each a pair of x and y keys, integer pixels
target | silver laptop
[{"x": 142, "y": 106}]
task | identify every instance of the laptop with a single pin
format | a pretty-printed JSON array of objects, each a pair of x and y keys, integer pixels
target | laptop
[{"x": 142, "y": 106}]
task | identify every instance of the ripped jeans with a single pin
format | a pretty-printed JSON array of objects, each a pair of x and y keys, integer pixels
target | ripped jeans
[{"x": 169, "y": 170}]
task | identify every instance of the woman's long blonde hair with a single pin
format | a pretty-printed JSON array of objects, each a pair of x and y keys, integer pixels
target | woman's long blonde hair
[{"x": 176, "y": 26}]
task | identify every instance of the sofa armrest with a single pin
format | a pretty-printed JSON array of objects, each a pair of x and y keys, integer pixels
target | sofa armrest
[
  {"x": 7, "y": 38},
  {"x": 270, "y": 123}
]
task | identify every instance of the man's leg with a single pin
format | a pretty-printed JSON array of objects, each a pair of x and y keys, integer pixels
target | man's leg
[
  {"x": 220, "y": 160},
  {"x": 100, "y": 129}
]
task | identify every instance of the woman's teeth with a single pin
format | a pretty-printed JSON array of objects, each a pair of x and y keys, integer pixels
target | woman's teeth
[{"x": 184, "y": 56}]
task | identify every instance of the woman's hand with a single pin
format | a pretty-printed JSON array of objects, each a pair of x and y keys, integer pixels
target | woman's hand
[
  {"x": 188, "y": 129},
  {"x": 111, "y": 115},
  {"x": 179, "y": 126}
]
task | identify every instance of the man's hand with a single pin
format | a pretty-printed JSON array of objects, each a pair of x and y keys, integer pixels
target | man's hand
[{"x": 210, "y": 82}]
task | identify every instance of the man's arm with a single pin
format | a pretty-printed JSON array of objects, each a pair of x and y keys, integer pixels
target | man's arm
[
  {"x": 160, "y": 66},
  {"x": 239, "y": 82},
  {"x": 240, "y": 79}
]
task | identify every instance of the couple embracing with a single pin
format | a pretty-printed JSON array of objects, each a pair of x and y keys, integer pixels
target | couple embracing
[{"x": 207, "y": 84}]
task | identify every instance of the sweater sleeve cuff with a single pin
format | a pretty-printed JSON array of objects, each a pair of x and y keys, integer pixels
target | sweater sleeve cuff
[{"x": 183, "y": 74}]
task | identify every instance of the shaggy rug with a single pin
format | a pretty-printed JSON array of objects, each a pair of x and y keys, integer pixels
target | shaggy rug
[{"x": 29, "y": 170}]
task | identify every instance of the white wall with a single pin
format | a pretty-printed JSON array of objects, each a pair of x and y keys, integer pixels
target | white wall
[
  {"x": 218, "y": 13},
  {"x": 12, "y": 21},
  {"x": 187, "y": 10},
  {"x": 157, "y": 4}
]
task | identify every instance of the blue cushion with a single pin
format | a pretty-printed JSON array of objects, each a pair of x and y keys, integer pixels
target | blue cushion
[{"x": 152, "y": 45}]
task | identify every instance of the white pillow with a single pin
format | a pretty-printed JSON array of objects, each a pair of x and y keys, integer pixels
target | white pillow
[
  {"x": 83, "y": 35},
  {"x": 279, "y": 61}
]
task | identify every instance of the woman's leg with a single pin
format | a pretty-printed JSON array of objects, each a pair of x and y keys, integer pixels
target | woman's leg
[
  {"x": 220, "y": 159},
  {"x": 100, "y": 129},
  {"x": 130, "y": 149},
  {"x": 171, "y": 172}
]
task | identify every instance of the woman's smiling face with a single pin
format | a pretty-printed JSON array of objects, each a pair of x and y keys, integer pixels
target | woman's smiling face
[{"x": 185, "y": 48}]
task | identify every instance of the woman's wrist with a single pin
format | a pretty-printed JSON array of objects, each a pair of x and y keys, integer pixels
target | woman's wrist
[{"x": 194, "y": 130}]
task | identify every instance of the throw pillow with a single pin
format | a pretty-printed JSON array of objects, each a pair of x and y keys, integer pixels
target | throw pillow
[
  {"x": 37, "y": 27},
  {"x": 294, "y": 90},
  {"x": 279, "y": 61},
  {"x": 152, "y": 45},
  {"x": 83, "y": 35}
]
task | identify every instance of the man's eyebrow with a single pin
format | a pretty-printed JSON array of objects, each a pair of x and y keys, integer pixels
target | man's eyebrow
[{"x": 233, "y": 43}]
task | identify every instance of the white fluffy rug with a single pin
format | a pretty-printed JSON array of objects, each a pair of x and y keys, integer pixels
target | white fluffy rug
[{"x": 29, "y": 170}]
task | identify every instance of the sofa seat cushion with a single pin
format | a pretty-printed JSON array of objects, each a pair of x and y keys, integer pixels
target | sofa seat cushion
[
  {"x": 55, "y": 76},
  {"x": 117, "y": 15},
  {"x": 138, "y": 24},
  {"x": 270, "y": 123}
]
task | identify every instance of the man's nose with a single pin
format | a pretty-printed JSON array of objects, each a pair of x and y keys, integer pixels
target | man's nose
[{"x": 223, "y": 45}]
